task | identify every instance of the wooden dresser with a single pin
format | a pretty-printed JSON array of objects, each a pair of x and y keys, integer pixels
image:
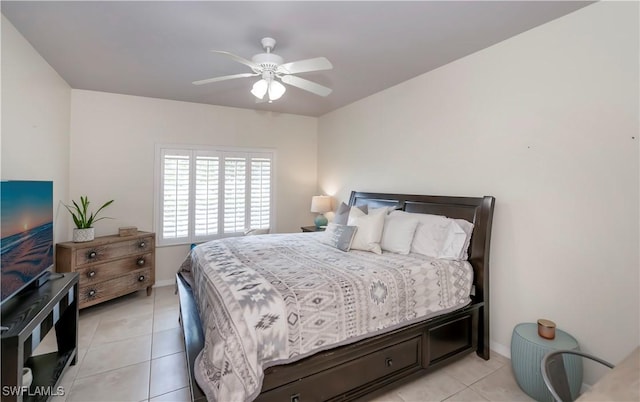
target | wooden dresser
[{"x": 109, "y": 266}]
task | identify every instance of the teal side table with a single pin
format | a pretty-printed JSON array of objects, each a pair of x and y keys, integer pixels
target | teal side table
[{"x": 527, "y": 351}]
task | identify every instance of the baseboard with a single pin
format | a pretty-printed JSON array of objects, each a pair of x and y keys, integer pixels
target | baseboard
[
  {"x": 501, "y": 349},
  {"x": 165, "y": 282}
]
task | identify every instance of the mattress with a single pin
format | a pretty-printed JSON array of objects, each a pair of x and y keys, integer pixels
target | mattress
[{"x": 274, "y": 299}]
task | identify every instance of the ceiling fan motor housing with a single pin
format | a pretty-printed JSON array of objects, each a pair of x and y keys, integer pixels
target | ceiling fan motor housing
[{"x": 268, "y": 61}]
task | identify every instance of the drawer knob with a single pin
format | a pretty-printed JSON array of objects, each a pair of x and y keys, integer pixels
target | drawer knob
[
  {"x": 388, "y": 362},
  {"x": 140, "y": 261},
  {"x": 141, "y": 278},
  {"x": 92, "y": 254},
  {"x": 142, "y": 244},
  {"x": 92, "y": 293},
  {"x": 91, "y": 274}
]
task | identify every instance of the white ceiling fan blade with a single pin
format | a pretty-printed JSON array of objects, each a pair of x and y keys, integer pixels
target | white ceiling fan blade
[
  {"x": 303, "y": 66},
  {"x": 224, "y": 78},
  {"x": 239, "y": 59},
  {"x": 306, "y": 85}
]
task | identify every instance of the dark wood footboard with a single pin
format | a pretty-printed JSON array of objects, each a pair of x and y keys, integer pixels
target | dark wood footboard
[
  {"x": 374, "y": 365},
  {"x": 192, "y": 333}
]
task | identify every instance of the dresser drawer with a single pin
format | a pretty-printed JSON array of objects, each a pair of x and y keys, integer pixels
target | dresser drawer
[
  {"x": 109, "y": 270},
  {"x": 401, "y": 357},
  {"x": 97, "y": 253},
  {"x": 93, "y": 293}
]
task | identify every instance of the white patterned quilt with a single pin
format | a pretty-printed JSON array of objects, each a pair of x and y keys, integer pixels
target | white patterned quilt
[{"x": 274, "y": 299}]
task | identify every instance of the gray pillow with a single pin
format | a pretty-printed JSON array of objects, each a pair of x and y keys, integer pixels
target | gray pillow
[
  {"x": 339, "y": 236},
  {"x": 342, "y": 214}
]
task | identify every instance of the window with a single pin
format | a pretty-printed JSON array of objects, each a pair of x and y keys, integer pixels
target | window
[{"x": 206, "y": 193}]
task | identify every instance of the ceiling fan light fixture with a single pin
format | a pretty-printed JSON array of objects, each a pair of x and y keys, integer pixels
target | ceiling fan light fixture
[
  {"x": 276, "y": 90},
  {"x": 260, "y": 88}
]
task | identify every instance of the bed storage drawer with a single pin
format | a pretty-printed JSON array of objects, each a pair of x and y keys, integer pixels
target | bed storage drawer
[
  {"x": 402, "y": 357},
  {"x": 452, "y": 337}
]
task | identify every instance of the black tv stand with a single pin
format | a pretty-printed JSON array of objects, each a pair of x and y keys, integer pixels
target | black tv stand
[
  {"x": 41, "y": 280},
  {"x": 28, "y": 317}
]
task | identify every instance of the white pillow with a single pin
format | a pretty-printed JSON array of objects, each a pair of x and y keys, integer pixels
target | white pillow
[
  {"x": 431, "y": 234},
  {"x": 468, "y": 230},
  {"x": 369, "y": 231},
  {"x": 397, "y": 235},
  {"x": 441, "y": 237},
  {"x": 454, "y": 242}
]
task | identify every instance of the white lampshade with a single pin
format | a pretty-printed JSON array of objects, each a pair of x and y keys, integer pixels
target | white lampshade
[
  {"x": 270, "y": 86},
  {"x": 276, "y": 90},
  {"x": 320, "y": 204},
  {"x": 260, "y": 89}
]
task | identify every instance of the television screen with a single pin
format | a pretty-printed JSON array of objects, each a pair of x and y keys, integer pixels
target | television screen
[{"x": 27, "y": 233}]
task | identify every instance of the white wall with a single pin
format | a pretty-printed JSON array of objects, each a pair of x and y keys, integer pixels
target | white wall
[
  {"x": 113, "y": 140},
  {"x": 547, "y": 122},
  {"x": 35, "y": 122}
]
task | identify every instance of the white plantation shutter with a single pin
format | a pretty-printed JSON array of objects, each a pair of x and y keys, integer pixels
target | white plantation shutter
[
  {"x": 205, "y": 193},
  {"x": 260, "y": 192},
  {"x": 235, "y": 173},
  {"x": 175, "y": 194},
  {"x": 206, "y": 196}
]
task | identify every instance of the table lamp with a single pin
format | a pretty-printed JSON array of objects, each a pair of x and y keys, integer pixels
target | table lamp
[{"x": 320, "y": 204}]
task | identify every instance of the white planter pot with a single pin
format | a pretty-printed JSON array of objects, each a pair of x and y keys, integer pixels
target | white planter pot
[
  {"x": 27, "y": 377},
  {"x": 82, "y": 235}
]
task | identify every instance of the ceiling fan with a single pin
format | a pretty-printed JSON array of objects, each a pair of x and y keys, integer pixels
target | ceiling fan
[{"x": 272, "y": 68}]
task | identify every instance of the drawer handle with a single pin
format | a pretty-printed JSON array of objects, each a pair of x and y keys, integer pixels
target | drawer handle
[
  {"x": 140, "y": 261},
  {"x": 295, "y": 398},
  {"x": 388, "y": 362},
  {"x": 91, "y": 274},
  {"x": 142, "y": 244},
  {"x": 92, "y": 254},
  {"x": 141, "y": 278},
  {"x": 92, "y": 293}
]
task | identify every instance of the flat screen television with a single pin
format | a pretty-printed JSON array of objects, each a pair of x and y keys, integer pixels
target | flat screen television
[{"x": 26, "y": 209}]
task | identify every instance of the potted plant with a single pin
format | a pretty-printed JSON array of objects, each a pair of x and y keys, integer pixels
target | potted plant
[{"x": 84, "y": 220}]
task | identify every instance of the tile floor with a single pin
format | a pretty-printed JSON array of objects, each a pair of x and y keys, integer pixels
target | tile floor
[{"x": 131, "y": 349}]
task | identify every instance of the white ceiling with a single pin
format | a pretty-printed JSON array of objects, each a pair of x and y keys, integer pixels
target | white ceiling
[{"x": 157, "y": 48}]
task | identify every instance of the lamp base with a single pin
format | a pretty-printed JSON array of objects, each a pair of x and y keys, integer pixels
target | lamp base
[{"x": 320, "y": 221}]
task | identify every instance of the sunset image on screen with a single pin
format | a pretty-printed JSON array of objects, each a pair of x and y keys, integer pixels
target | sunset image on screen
[{"x": 27, "y": 232}]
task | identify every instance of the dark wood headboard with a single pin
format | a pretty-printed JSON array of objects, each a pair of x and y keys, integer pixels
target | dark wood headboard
[{"x": 478, "y": 210}]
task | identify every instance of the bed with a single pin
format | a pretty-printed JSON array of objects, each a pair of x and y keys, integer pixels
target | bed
[{"x": 373, "y": 364}]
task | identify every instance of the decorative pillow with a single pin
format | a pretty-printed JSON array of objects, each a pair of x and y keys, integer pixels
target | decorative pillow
[
  {"x": 339, "y": 236},
  {"x": 342, "y": 214},
  {"x": 369, "y": 231},
  {"x": 397, "y": 235},
  {"x": 387, "y": 210}
]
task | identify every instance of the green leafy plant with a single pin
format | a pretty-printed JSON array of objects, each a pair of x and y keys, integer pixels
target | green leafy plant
[{"x": 81, "y": 215}]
